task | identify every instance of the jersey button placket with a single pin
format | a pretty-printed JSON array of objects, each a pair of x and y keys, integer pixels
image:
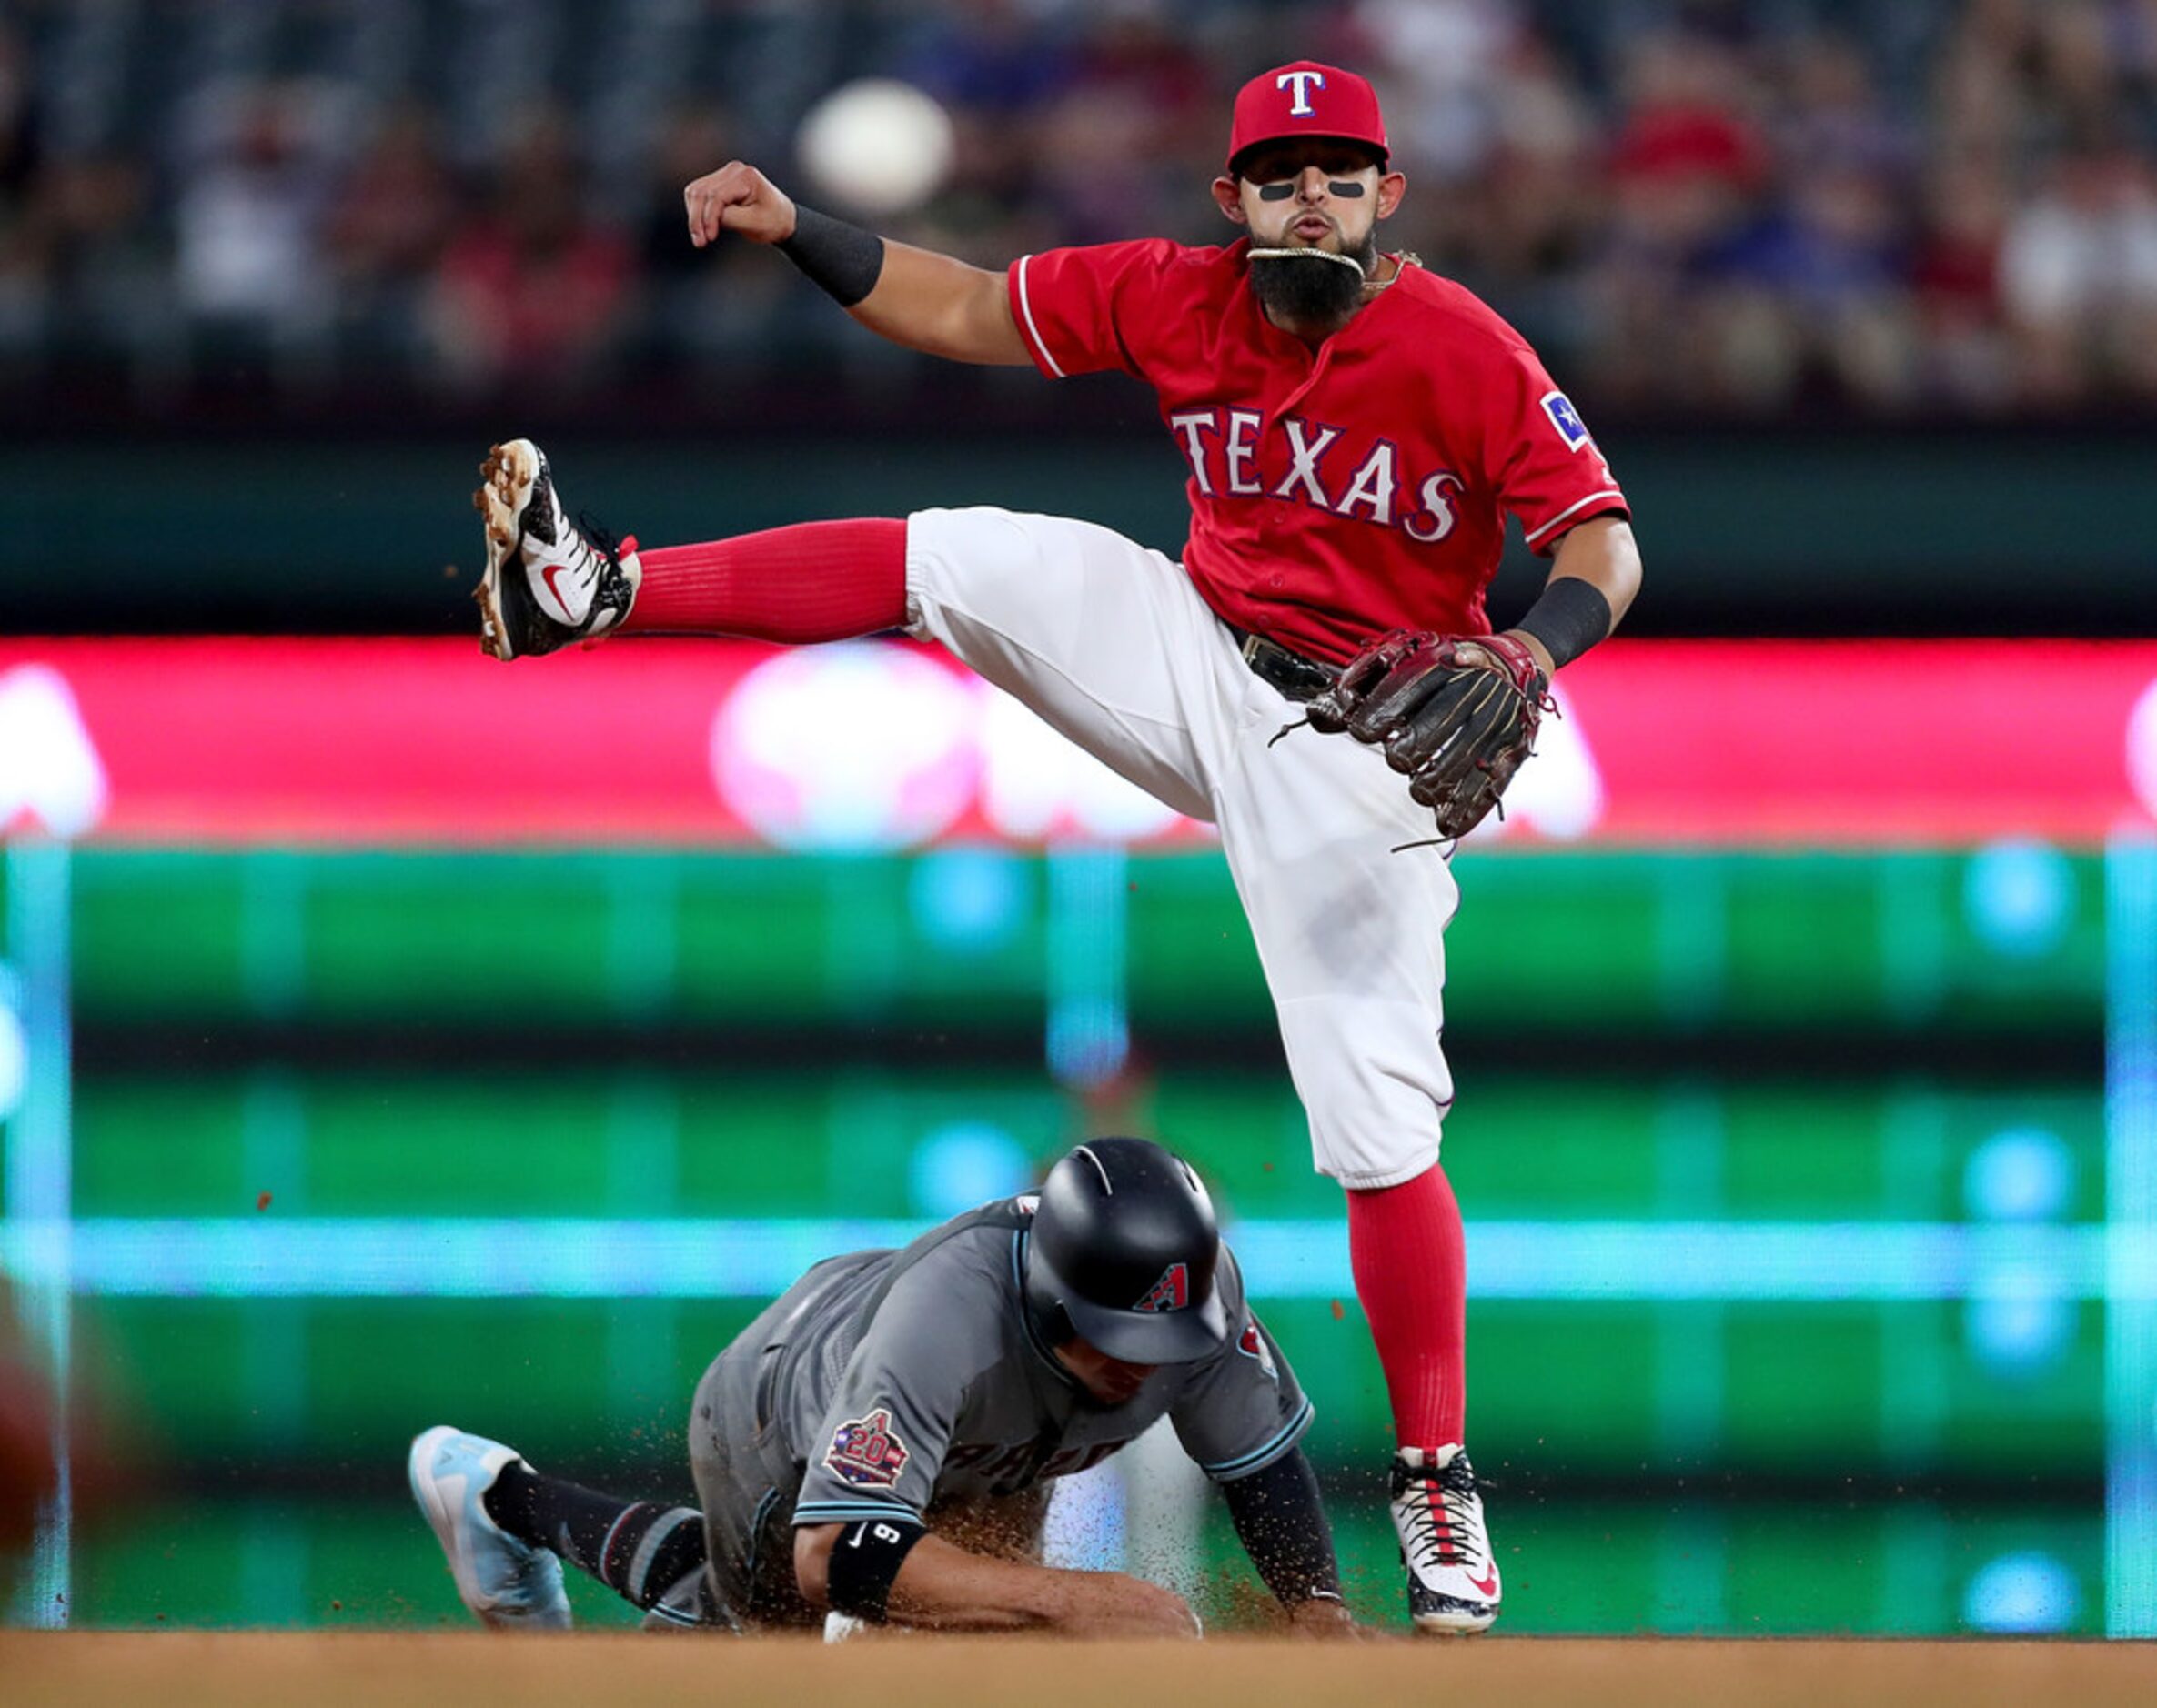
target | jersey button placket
[{"x": 1275, "y": 522}]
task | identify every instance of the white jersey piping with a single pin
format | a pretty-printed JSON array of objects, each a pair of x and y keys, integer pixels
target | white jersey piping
[
  {"x": 1608, "y": 492},
  {"x": 1033, "y": 331}
]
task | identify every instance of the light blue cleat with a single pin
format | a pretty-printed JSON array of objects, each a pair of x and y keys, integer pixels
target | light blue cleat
[{"x": 508, "y": 1583}]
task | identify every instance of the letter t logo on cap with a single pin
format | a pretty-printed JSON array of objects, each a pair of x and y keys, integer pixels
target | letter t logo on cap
[
  {"x": 1300, "y": 106},
  {"x": 1351, "y": 111}
]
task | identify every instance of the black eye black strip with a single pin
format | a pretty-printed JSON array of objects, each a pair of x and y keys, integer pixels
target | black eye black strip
[{"x": 1281, "y": 189}]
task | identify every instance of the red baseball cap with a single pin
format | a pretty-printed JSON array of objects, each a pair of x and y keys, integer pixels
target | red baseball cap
[{"x": 1307, "y": 99}]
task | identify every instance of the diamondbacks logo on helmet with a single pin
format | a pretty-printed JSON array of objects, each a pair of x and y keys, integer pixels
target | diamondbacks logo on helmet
[
  {"x": 1171, "y": 1293},
  {"x": 867, "y": 1452}
]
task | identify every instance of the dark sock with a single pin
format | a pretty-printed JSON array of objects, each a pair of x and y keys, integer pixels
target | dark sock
[{"x": 637, "y": 1549}]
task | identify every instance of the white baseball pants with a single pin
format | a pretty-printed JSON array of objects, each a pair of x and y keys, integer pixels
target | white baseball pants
[{"x": 1110, "y": 643}]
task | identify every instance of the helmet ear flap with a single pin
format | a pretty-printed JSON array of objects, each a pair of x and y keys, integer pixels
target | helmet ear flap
[{"x": 1044, "y": 1308}]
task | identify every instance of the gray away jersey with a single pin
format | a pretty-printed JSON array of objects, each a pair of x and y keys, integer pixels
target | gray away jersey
[{"x": 915, "y": 1376}]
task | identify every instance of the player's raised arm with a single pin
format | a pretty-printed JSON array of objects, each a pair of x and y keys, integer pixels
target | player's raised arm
[{"x": 916, "y": 298}]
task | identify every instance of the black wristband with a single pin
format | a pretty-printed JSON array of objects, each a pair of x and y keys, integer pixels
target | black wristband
[
  {"x": 1281, "y": 1521},
  {"x": 844, "y": 259},
  {"x": 1571, "y": 618},
  {"x": 864, "y": 1561}
]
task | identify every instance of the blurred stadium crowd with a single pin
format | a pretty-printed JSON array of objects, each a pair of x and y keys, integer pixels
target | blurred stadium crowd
[{"x": 1749, "y": 207}]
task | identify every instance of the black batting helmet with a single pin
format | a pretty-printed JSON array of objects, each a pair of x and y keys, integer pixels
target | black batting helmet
[{"x": 1123, "y": 1248}]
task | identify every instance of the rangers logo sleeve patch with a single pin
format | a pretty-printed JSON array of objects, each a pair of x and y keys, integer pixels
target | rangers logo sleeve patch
[
  {"x": 1566, "y": 420},
  {"x": 1171, "y": 1293},
  {"x": 867, "y": 1452}
]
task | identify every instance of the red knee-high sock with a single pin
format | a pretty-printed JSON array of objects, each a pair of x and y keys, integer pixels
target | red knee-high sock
[
  {"x": 814, "y": 581},
  {"x": 1410, "y": 1259}
]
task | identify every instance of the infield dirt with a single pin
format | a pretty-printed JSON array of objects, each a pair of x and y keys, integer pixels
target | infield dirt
[{"x": 469, "y": 1669}]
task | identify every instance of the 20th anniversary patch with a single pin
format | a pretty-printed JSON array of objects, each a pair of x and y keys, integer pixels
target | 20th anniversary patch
[{"x": 867, "y": 1452}]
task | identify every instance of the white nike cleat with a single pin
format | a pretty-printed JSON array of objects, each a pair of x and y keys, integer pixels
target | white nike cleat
[
  {"x": 548, "y": 583},
  {"x": 508, "y": 1583},
  {"x": 1452, "y": 1581}
]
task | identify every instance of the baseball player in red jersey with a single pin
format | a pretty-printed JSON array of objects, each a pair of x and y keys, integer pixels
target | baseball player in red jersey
[{"x": 1356, "y": 431}]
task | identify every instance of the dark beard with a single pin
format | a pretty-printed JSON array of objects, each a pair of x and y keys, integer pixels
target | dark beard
[{"x": 1305, "y": 291}]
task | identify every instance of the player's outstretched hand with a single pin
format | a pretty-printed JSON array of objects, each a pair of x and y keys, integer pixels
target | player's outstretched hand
[
  {"x": 738, "y": 198},
  {"x": 1115, "y": 1605}
]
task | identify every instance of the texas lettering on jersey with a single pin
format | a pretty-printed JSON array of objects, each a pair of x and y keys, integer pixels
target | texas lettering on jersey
[
  {"x": 1328, "y": 468},
  {"x": 1341, "y": 490}
]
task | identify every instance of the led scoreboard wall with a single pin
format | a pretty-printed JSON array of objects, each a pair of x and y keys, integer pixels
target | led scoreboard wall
[{"x": 390, "y": 1036}]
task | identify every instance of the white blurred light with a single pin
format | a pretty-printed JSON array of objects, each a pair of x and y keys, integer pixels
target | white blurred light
[
  {"x": 2020, "y": 897},
  {"x": 2019, "y": 1174},
  {"x": 870, "y": 746},
  {"x": 968, "y": 900},
  {"x": 853, "y": 747},
  {"x": 957, "y": 1167},
  {"x": 2029, "y": 1591},
  {"x": 49, "y": 768},
  {"x": 881, "y": 146},
  {"x": 14, "y": 1057},
  {"x": 2141, "y": 749}
]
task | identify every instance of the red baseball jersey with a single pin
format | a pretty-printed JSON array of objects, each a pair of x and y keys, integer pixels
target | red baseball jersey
[{"x": 1340, "y": 492}]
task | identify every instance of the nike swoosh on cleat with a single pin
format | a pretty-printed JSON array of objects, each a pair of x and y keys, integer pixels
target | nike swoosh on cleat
[
  {"x": 548, "y": 572},
  {"x": 1487, "y": 1586}
]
